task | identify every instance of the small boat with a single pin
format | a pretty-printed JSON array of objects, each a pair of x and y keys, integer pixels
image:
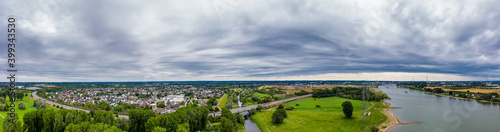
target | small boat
[{"x": 406, "y": 91}]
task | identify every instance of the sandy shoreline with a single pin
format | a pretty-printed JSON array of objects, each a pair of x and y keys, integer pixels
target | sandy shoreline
[{"x": 392, "y": 120}]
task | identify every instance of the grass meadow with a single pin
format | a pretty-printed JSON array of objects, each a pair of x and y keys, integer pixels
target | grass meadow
[
  {"x": 28, "y": 101},
  {"x": 328, "y": 117}
]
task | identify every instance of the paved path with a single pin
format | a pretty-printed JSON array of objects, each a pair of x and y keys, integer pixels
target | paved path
[
  {"x": 65, "y": 106},
  {"x": 238, "y": 110}
]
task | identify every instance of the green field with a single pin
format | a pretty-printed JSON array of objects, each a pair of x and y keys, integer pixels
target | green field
[
  {"x": 329, "y": 117},
  {"x": 249, "y": 99},
  {"x": 222, "y": 103},
  {"x": 29, "y": 107},
  {"x": 261, "y": 95}
]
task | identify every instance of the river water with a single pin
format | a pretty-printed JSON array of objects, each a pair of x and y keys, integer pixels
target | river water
[
  {"x": 440, "y": 113},
  {"x": 250, "y": 126}
]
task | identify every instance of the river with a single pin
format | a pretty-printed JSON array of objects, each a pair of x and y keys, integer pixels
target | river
[
  {"x": 440, "y": 113},
  {"x": 250, "y": 126}
]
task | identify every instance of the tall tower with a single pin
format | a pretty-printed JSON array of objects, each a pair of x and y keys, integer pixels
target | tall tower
[{"x": 364, "y": 103}]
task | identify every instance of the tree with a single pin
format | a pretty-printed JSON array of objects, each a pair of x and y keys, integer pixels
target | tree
[
  {"x": 32, "y": 121},
  {"x": 118, "y": 108},
  {"x": 374, "y": 129},
  {"x": 243, "y": 100},
  {"x": 138, "y": 118},
  {"x": 283, "y": 112},
  {"x": 6, "y": 107},
  {"x": 226, "y": 125},
  {"x": 122, "y": 123},
  {"x": 277, "y": 117},
  {"x": 12, "y": 127},
  {"x": 229, "y": 115},
  {"x": 1, "y": 107},
  {"x": 212, "y": 101},
  {"x": 159, "y": 95},
  {"x": 159, "y": 129},
  {"x": 255, "y": 98},
  {"x": 105, "y": 117},
  {"x": 2, "y": 100},
  {"x": 19, "y": 95},
  {"x": 39, "y": 104},
  {"x": 184, "y": 127},
  {"x": 217, "y": 109},
  {"x": 161, "y": 105},
  {"x": 280, "y": 114},
  {"x": 259, "y": 107},
  {"x": 59, "y": 124},
  {"x": 240, "y": 118},
  {"x": 229, "y": 104},
  {"x": 21, "y": 106},
  {"x": 347, "y": 109},
  {"x": 69, "y": 118},
  {"x": 42, "y": 106},
  {"x": 48, "y": 120}
]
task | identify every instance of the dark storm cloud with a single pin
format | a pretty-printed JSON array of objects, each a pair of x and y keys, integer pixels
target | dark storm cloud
[{"x": 228, "y": 40}]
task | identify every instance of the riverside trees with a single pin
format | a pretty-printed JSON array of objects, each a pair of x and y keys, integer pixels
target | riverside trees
[{"x": 349, "y": 93}]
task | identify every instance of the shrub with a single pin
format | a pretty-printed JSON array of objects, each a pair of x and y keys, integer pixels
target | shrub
[
  {"x": 21, "y": 106},
  {"x": 374, "y": 129},
  {"x": 61, "y": 107},
  {"x": 57, "y": 106},
  {"x": 318, "y": 106},
  {"x": 314, "y": 99},
  {"x": 297, "y": 104},
  {"x": 259, "y": 107},
  {"x": 289, "y": 108},
  {"x": 6, "y": 107}
]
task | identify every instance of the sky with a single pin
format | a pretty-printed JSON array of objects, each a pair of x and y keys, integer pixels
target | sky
[{"x": 188, "y": 40}]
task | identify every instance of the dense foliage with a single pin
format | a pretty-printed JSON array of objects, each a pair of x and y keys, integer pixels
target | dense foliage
[
  {"x": 279, "y": 115},
  {"x": 347, "y": 109},
  {"x": 348, "y": 92},
  {"x": 39, "y": 104}
]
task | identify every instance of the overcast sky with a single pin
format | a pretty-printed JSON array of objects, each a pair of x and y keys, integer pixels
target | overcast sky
[{"x": 259, "y": 40}]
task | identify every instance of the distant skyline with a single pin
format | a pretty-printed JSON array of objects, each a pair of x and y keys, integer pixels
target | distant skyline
[{"x": 115, "y": 40}]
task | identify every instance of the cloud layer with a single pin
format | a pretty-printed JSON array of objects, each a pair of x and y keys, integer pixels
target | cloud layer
[{"x": 259, "y": 40}]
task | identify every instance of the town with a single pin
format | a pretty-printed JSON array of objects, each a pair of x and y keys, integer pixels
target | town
[{"x": 160, "y": 100}]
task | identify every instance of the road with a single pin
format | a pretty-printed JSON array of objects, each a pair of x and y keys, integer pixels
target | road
[
  {"x": 238, "y": 110},
  {"x": 65, "y": 106}
]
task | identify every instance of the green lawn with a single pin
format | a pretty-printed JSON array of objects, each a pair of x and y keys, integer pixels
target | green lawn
[
  {"x": 330, "y": 104},
  {"x": 329, "y": 117},
  {"x": 29, "y": 107},
  {"x": 249, "y": 99},
  {"x": 223, "y": 102}
]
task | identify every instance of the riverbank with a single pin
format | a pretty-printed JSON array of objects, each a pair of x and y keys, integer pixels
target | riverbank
[
  {"x": 392, "y": 120},
  {"x": 483, "y": 101},
  {"x": 451, "y": 96}
]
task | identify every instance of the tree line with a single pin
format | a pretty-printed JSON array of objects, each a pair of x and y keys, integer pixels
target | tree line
[
  {"x": 185, "y": 119},
  {"x": 349, "y": 93}
]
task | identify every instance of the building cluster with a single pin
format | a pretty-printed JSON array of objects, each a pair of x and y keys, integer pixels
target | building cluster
[{"x": 171, "y": 98}]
